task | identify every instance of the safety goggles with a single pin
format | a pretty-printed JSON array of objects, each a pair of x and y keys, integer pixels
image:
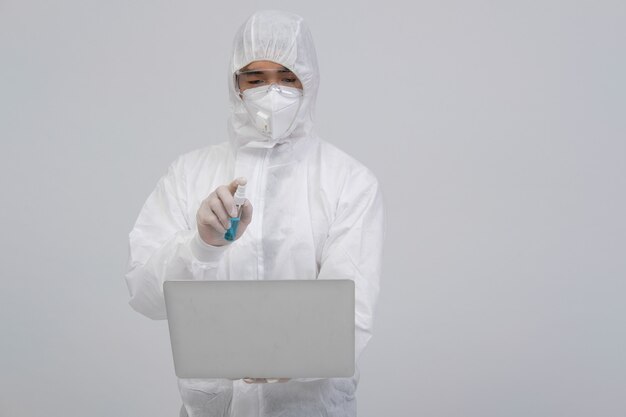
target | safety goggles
[{"x": 262, "y": 77}]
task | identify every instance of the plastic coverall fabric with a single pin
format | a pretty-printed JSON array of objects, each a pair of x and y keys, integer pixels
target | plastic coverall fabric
[{"x": 318, "y": 214}]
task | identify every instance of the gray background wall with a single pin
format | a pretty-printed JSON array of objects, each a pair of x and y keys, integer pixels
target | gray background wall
[{"x": 497, "y": 130}]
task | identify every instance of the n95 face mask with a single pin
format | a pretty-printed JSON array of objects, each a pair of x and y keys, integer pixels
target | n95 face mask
[{"x": 273, "y": 109}]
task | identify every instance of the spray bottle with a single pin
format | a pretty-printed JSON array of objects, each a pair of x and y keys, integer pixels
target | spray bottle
[{"x": 240, "y": 198}]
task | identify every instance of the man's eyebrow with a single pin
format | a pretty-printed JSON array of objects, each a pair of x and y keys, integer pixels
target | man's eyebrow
[{"x": 261, "y": 71}]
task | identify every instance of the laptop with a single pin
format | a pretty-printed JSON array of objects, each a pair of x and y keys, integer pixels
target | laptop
[{"x": 261, "y": 329}]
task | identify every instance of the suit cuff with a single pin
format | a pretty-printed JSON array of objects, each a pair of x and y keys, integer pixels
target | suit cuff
[{"x": 204, "y": 252}]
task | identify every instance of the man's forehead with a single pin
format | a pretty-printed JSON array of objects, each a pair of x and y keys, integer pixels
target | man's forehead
[{"x": 264, "y": 65}]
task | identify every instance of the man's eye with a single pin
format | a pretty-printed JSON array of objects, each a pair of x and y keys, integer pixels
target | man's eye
[
  {"x": 289, "y": 80},
  {"x": 255, "y": 81}
]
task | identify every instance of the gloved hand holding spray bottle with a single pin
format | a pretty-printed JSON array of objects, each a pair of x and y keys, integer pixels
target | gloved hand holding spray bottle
[{"x": 240, "y": 199}]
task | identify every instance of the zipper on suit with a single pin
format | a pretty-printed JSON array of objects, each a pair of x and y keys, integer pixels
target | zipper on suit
[{"x": 261, "y": 187}]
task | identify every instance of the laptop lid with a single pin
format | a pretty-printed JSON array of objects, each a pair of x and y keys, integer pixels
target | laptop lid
[{"x": 261, "y": 329}]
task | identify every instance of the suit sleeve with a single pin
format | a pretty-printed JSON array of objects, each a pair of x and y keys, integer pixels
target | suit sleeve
[
  {"x": 353, "y": 249},
  {"x": 163, "y": 246}
]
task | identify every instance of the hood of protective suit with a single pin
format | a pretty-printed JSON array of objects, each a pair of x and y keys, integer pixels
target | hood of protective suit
[{"x": 285, "y": 39}]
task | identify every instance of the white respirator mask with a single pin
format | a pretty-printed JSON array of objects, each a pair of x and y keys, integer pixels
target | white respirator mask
[{"x": 273, "y": 110}]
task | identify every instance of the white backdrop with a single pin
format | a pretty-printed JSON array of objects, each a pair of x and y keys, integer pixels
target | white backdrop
[{"x": 497, "y": 130}]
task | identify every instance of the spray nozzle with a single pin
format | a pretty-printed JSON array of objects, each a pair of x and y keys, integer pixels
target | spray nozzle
[{"x": 240, "y": 195}]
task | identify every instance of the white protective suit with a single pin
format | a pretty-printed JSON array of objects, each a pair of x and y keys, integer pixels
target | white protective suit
[{"x": 318, "y": 214}]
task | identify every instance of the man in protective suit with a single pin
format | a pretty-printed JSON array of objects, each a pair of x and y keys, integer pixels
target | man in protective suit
[{"x": 313, "y": 212}]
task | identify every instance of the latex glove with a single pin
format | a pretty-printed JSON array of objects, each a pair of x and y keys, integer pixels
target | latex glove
[
  {"x": 213, "y": 216},
  {"x": 264, "y": 380}
]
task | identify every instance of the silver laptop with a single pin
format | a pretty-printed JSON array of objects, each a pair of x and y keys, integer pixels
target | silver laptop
[{"x": 261, "y": 329}]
